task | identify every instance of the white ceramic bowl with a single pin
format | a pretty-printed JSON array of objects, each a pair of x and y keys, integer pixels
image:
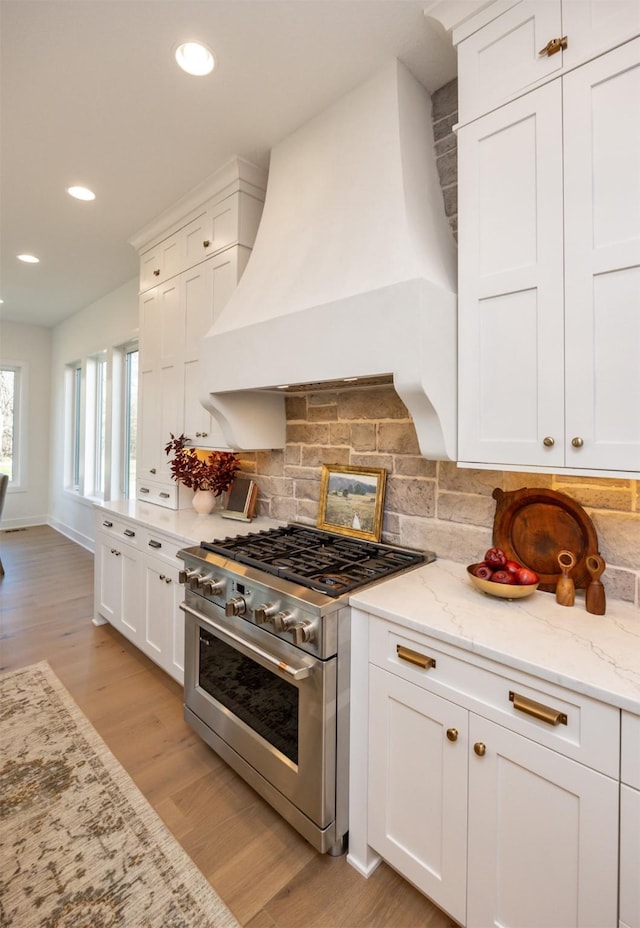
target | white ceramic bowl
[{"x": 502, "y": 590}]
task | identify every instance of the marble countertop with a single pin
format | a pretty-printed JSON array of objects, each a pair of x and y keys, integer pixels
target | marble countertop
[
  {"x": 185, "y": 525},
  {"x": 595, "y": 655}
]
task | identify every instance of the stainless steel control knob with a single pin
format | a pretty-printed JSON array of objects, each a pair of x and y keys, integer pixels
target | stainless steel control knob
[
  {"x": 283, "y": 621},
  {"x": 303, "y": 632},
  {"x": 235, "y": 606},
  {"x": 265, "y": 612},
  {"x": 195, "y": 582},
  {"x": 213, "y": 587},
  {"x": 185, "y": 575}
]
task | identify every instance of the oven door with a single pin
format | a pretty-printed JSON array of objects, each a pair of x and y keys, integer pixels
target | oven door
[{"x": 271, "y": 703}]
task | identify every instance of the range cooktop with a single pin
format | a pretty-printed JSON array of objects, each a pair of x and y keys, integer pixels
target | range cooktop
[{"x": 320, "y": 560}]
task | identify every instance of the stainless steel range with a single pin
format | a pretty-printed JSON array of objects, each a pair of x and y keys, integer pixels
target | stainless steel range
[{"x": 267, "y": 663}]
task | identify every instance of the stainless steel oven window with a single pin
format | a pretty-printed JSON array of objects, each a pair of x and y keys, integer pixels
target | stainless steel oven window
[{"x": 255, "y": 695}]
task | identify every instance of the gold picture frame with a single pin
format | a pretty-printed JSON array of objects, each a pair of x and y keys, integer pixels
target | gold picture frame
[{"x": 352, "y": 500}]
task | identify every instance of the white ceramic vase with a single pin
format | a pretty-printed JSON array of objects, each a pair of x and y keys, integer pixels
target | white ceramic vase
[{"x": 204, "y": 502}]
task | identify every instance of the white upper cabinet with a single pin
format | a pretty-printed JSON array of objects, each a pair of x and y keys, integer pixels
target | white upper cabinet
[
  {"x": 511, "y": 337},
  {"x": 503, "y": 56},
  {"x": 602, "y": 260},
  {"x": 549, "y": 264}
]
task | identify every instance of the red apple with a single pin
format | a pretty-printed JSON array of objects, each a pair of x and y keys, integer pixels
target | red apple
[
  {"x": 526, "y": 577},
  {"x": 482, "y": 571},
  {"x": 495, "y": 558},
  {"x": 502, "y": 576},
  {"x": 512, "y": 566}
]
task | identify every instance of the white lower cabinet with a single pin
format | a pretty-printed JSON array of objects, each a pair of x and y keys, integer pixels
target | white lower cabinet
[
  {"x": 418, "y": 787},
  {"x": 137, "y": 589},
  {"x": 493, "y": 792},
  {"x": 117, "y": 576},
  {"x": 543, "y": 835},
  {"x": 630, "y": 822},
  {"x": 163, "y": 619}
]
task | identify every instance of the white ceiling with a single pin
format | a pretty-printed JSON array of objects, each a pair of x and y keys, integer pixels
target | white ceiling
[{"x": 90, "y": 94}]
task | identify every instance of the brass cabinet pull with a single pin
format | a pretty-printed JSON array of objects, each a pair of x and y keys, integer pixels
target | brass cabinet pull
[
  {"x": 548, "y": 442},
  {"x": 553, "y": 46},
  {"x": 129, "y": 533},
  {"x": 480, "y": 748},
  {"x": 164, "y": 495},
  {"x": 108, "y": 524},
  {"x": 152, "y": 470},
  {"x": 537, "y": 709},
  {"x": 156, "y": 273},
  {"x": 452, "y": 734},
  {"x": 155, "y": 544},
  {"x": 206, "y": 243},
  {"x": 577, "y": 442},
  {"x": 414, "y": 657},
  {"x": 144, "y": 489}
]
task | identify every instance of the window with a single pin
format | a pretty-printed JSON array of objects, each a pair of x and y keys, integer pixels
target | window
[
  {"x": 130, "y": 421},
  {"x": 10, "y": 422},
  {"x": 74, "y": 419},
  {"x": 100, "y": 427}
]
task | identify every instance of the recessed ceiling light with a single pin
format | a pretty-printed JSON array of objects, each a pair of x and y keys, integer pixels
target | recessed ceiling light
[
  {"x": 81, "y": 193},
  {"x": 195, "y": 58},
  {"x": 28, "y": 259}
]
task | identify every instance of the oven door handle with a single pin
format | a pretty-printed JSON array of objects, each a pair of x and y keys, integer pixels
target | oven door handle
[{"x": 297, "y": 673}]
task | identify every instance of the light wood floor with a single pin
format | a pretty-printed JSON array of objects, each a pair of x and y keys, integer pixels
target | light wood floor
[{"x": 267, "y": 875}]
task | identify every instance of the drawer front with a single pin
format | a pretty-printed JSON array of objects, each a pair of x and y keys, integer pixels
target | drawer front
[
  {"x": 630, "y": 760},
  {"x": 575, "y": 725},
  {"x": 163, "y": 547},
  {"x": 169, "y": 495},
  {"x": 119, "y": 529}
]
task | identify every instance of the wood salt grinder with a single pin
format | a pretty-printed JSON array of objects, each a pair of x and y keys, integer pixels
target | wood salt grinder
[
  {"x": 596, "y": 601},
  {"x": 566, "y": 590}
]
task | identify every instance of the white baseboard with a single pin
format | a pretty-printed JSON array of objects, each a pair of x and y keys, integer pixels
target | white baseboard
[{"x": 83, "y": 540}]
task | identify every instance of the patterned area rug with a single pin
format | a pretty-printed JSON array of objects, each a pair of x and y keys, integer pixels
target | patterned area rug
[{"x": 80, "y": 847}]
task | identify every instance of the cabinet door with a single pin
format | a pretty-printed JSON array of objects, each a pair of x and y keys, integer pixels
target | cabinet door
[
  {"x": 108, "y": 582},
  {"x": 602, "y": 299},
  {"x": 594, "y": 26},
  {"x": 418, "y": 787},
  {"x": 158, "y": 603},
  {"x": 502, "y": 59},
  {"x": 511, "y": 343},
  {"x": 207, "y": 290},
  {"x": 130, "y": 611},
  {"x": 629, "y": 857},
  {"x": 163, "y": 618},
  {"x": 543, "y": 836}
]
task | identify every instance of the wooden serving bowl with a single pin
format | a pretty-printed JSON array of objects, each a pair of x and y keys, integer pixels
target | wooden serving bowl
[{"x": 501, "y": 590}]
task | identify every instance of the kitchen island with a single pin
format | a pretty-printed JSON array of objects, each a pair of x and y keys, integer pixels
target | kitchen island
[{"x": 495, "y": 750}]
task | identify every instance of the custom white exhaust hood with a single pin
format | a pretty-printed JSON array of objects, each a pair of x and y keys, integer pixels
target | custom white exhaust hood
[{"x": 352, "y": 274}]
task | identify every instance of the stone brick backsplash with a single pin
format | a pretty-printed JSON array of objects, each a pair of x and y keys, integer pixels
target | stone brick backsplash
[{"x": 428, "y": 504}]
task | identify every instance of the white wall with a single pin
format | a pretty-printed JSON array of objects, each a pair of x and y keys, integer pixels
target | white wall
[
  {"x": 111, "y": 321},
  {"x": 30, "y": 345}
]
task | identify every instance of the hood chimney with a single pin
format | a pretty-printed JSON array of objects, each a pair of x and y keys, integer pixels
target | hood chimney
[{"x": 352, "y": 274}]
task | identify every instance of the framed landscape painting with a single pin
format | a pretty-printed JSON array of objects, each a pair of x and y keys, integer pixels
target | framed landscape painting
[{"x": 352, "y": 500}]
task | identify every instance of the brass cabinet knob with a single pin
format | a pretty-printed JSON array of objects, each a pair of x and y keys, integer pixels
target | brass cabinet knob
[
  {"x": 152, "y": 471},
  {"x": 452, "y": 734},
  {"x": 206, "y": 243},
  {"x": 156, "y": 273},
  {"x": 480, "y": 748},
  {"x": 577, "y": 442},
  {"x": 548, "y": 442}
]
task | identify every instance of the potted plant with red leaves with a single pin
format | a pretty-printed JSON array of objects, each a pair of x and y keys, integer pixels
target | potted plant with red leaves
[{"x": 209, "y": 477}]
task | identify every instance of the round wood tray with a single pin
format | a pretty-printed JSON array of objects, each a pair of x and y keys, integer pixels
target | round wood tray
[{"x": 533, "y": 525}]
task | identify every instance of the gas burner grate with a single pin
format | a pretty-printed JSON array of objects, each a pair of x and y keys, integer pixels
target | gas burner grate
[{"x": 316, "y": 559}]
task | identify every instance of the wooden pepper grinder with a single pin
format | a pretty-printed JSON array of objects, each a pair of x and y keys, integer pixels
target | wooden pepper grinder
[
  {"x": 566, "y": 589},
  {"x": 596, "y": 601}
]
